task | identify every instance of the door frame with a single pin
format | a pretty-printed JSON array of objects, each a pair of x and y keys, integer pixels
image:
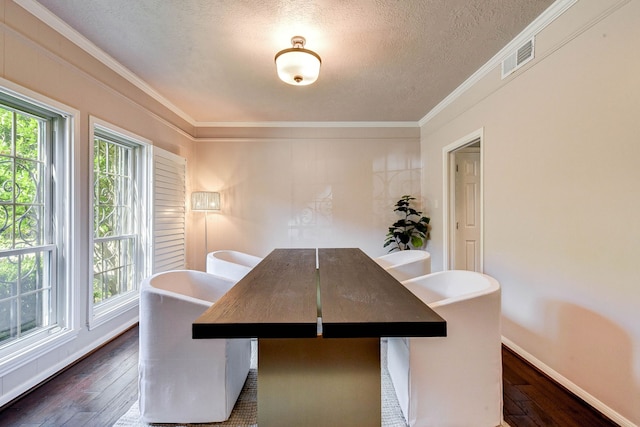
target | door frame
[{"x": 448, "y": 193}]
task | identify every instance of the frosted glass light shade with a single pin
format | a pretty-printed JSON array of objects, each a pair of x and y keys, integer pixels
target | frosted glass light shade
[
  {"x": 205, "y": 201},
  {"x": 298, "y": 66}
]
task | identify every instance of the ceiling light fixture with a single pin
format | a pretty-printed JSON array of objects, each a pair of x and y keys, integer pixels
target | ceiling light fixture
[{"x": 298, "y": 66}]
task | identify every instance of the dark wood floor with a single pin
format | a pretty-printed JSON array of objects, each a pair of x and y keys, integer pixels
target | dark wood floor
[
  {"x": 94, "y": 392},
  {"x": 98, "y": 390},
  {"x": 532, "y": 400}
]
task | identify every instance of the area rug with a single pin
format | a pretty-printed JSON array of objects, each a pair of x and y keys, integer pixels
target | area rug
[{"x": 245, "y": 411}]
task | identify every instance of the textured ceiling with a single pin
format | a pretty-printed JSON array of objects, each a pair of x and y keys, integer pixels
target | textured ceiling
[{"x": 382, "y": 60}]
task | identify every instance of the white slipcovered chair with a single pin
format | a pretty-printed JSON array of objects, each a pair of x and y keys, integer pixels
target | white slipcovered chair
[
  {"x": 182, "y": 380},
  {"x": 452, "y": 381},
  {"x": 233, "y": 265},
  {"x": 407, "y": 264}
]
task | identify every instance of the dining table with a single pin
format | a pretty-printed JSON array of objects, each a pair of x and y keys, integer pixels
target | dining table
[{"x": 319, "y": 316}]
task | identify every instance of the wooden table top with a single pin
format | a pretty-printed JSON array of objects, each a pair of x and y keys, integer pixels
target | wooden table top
[
  {"x": 360, "y": 299},
  {"x": 283, "y": 296},
  {"x": 277, "y": 299}
]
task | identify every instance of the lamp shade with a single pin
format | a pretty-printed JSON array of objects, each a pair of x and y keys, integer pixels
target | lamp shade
[
  {"x": 298, "y": 66},
  {"x": 205, "y": 201}
]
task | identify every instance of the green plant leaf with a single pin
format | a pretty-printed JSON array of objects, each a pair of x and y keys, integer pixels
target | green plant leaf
[
  {"x": 412, "y": 226},
  {"x": 422, "y": 228}
]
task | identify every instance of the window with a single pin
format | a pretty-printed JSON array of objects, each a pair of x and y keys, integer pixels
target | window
[
  {"x": 33, "y": 301},
  {"x": 119, "y": 218}
]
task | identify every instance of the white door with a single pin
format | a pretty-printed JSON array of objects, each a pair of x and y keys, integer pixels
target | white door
[{"x": 467, "y": 210}]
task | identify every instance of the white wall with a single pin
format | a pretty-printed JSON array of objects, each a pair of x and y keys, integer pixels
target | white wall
[
  {"x": 34, "y": 59},
  {"x": 562, "y": 198},
  {"x": 303, "y": 192},
  {"x": 313, "y": 187},
  {"x": 561, "y": 187}
]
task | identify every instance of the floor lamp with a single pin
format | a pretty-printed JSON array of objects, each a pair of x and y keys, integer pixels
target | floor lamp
[{"x": 205, "y": 201}]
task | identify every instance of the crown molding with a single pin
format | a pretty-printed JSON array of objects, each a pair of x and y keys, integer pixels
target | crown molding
[
  {"x": 308, "y": 124},
  {"x": 541, "y": 22},
  {"x": 43, "y": 14}
]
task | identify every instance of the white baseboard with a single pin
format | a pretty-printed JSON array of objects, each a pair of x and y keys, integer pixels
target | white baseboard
[
  {"x": 569, "y": 385},
  {"x": 70, "y": 359}
]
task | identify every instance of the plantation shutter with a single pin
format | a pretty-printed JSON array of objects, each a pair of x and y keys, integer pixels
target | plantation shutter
[{"x": 169, "y": 206}]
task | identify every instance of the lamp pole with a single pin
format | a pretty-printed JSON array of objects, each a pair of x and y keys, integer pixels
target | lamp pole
[{"x": 206, "y": 234}]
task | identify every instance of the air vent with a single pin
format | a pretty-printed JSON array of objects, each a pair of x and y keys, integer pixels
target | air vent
[{"x": 518, "y": 58}]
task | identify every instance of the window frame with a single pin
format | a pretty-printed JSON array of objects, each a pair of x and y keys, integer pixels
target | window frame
[
  {"x": 103, "y": 312},
  {"x": 60, "y": 191}
]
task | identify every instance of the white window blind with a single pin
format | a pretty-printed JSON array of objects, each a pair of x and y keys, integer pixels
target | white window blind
[{"x": 169, "y": 206}]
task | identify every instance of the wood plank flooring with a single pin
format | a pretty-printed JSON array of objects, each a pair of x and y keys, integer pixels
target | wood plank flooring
[
  {"x": 94, "y": 392},
  {"x": 531, "y": 399},
  {"x": 99, "y": 389}
]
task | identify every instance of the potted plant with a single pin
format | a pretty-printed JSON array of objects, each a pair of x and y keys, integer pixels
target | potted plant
[{"x": 411, "y": 230}]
